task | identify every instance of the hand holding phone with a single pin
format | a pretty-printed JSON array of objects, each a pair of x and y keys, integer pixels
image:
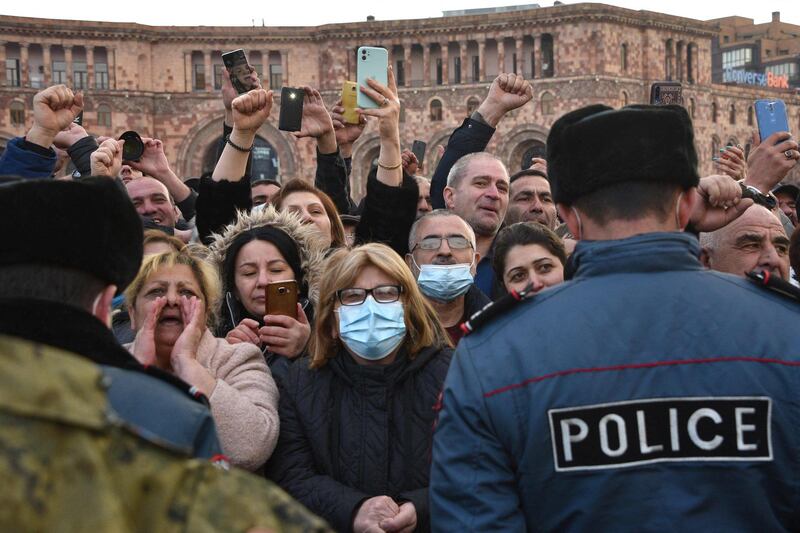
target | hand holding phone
[
  {"x": 373, "y": 63},
  {"x": 350, "y": 102},
  {"x": 418, "y": 148},
  {"x": 291, "y": 113},
  {"x": 666, "y": 93},
  {"x": 282, "y": 298},
  {"x": 771, "y": 117}
]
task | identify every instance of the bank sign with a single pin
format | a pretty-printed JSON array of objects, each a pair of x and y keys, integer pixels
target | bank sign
[{"x": 746, "y": 77}]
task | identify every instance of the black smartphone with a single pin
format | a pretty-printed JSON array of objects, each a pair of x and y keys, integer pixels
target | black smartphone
[
  {"x": 239, "y": 70},
  {"x": 666, "y": 93},
  {"x": 418, "y": 149},
  {"x": 79, "y": 119},
  {"x": 291, "y": 116}
]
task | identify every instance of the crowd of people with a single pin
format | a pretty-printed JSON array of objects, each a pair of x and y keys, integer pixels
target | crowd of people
[{"x": 615, "y": 367}]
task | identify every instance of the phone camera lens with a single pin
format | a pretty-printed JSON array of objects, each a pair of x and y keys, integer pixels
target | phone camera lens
[{"x": 282, "y": 290}]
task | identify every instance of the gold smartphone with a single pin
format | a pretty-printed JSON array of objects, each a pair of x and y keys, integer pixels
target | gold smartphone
[
  {"x": 282, "y": 298},
  {"x": 349, "y": 94}
]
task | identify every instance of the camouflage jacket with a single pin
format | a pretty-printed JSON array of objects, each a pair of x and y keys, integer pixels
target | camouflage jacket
[{"x": 70, "y": 463}]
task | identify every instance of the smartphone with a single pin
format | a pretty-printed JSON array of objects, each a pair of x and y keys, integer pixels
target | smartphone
[
  {"x": 771, "y": 117},
  {"x": 418, "y": 149},
  {"x": 291, "y": 115},
  {"x": 349, "y": 101},
  {"x": 79, "y": 119},
  {"x": 282, "y": 298},
  {"x": 239, "y": 70},
  {"x": 666, "y": 93},
  {"x": 372, "y": 63}
]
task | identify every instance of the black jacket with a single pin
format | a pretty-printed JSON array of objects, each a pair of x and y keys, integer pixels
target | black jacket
[{"x": 351, "y": 432}]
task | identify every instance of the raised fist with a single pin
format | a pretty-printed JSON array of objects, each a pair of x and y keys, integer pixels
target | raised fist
[
  {"x": 251, "y": 110},
  {"x": 55, "y": 108},
  {"x": 107, "y": 159},
  {"x": 507, "y": 92}
]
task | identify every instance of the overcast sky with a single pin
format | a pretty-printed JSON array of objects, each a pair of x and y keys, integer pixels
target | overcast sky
[{"x": 316, "y": 12}]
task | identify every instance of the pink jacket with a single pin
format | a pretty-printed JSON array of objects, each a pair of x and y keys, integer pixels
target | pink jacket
[{"x": 244, "y": 403}]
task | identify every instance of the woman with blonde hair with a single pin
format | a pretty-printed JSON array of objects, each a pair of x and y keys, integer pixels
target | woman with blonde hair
[
  {"x": 171, "y": 304},
  {"x": 357, "y": 414}
]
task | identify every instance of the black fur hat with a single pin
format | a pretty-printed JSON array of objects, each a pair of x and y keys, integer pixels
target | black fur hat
[
  {"x": 88, "y": 225},
  {"x": 596, "y": 146}
]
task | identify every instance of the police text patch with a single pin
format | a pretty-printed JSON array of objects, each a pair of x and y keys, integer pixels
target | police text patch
[{"x": 636, "y": 432}]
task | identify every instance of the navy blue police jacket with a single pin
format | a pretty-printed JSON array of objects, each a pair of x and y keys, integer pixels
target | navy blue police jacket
[{"x": 645, "y": 394}]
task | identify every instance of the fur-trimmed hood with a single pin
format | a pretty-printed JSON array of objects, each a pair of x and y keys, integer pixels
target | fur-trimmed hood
[{"x": 311, "y": 247}]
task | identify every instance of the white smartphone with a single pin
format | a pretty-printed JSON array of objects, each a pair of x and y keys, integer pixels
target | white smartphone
[{"x": 372, "y": 63}]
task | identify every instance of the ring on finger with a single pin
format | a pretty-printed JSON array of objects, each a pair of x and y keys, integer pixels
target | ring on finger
[{"x": 789, "y": 154}]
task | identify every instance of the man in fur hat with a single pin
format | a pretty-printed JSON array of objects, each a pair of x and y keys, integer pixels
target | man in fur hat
[{"x": 643, "y": 393}]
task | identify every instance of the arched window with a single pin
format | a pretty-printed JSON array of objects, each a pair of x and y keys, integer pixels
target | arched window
[
  {"x": 104, "y": 115},
  {"x": 536, "y": 149},
  {"x": 624, "y": 98},
  {"x": 732, "y": 114},
  {"x": 690, "y": 49},
  {"x": 472, "y": 105},
  {"x": 750, "y": 116},
  {"x": 713, "y": 111},
  {"x": 547, "y": 103},
  {"x": 436, "y": 110},
  {"x": 17, "y": 110},
  {"x": 623, "y": 52},
  {"x": 692, "y": 107},
  {"x": 714, "y": 146}
]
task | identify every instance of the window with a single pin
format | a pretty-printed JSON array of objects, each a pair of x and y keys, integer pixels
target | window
[
  {"x": 472, "y": 105},
  {"x": 750, "y": 116},
  {"x": 439, "y": 71},
  {"x": 218, "y": 77},
  {"x": 514, "y": 63},
  {"x": 692, "y": 107},
  {"x": 624, "y": 98},
  {"x": 783, "y": 69},
  {"x": 17, "y": 111},
  {"x": 737, "y": 58},
  {"x": 104, "y": 115},
  {"x": 259, "y": 70},
  {"x": 12, "y": 72},
  {"x": 732, "y": 114},
  {"x": 547, "y": 56},
  {"x": 690, "y": 50},
  {"x": 436, "y": 110},
  {"x": 714, "y": 146},
  {"x": 457, "y": 69},
  {"x": 199, "y": 75},
  {"x": 476, "y": 68},
  {"x": 80, "y": 77},
  {"x": 623, "y": 60},
  {"x": 547, "y": 104},
  {"x": 59, "y": 72},
  {"x": 400, "y": 73},
  {"x": 101, "y": 76},
  {"x": 275, "y": 76},
  {"x": 783, "y": 52},
  {"x": 669, "y": 58},
  {"x": 713, "y": 111},
  {"x": 726, "y": 39}
]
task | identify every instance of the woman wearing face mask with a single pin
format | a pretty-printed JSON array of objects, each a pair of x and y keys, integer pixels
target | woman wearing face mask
[
  {"x": 170, "y": 304},
  {"x": 356, "y": 423},
  {"x": 260, "y": 248},
  {"x": 528, "y": 253}
]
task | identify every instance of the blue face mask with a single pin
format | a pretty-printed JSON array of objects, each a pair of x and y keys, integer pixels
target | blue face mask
[
  {"x": 444, "y": 282},
  {"x": 372, "y": 330}
]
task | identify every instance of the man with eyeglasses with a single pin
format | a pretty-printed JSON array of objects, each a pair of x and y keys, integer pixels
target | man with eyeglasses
[{"x": 443, "y": 259}]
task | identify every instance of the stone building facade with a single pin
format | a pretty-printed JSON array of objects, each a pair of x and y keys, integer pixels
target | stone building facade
[{"x": 163, "y": 81}]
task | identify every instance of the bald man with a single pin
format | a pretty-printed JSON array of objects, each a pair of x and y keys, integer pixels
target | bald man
[{"x": 754, "y": 241}]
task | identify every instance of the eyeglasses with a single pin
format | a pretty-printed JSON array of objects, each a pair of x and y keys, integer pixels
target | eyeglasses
[
  {"x": 384, "y": 294},
  {"x": 434, "y": 243}
]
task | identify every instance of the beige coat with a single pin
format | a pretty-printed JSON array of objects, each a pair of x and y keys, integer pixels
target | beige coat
[{"x": 244, "y": 403}]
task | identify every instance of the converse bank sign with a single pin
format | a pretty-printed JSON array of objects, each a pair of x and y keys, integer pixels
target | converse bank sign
[{"x": 769, "y": 79}]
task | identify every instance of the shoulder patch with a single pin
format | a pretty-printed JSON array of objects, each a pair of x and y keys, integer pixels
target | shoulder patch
[
  {"x": 767, "y": 281},
  {"x": 495, "y": 309}
]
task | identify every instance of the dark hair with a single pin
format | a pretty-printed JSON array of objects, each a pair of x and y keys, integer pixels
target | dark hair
[
  {"x": 299, "y": 185},
  {"x": 523, "y": 233},
  {"x": 265, "y": 181},
  {"x": 629, "y": 200},
  {"x": 50, "y": 283},
  {"x": 527, "y": 172},
  {"x": 794, "y": 252}
]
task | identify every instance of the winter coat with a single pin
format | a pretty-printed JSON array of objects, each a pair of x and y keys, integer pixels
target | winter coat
[
  {"x": 350, "y": 432},
  {"x": 244, "y": 401}
]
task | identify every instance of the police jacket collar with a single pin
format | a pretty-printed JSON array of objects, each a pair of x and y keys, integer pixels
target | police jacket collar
[{"x": 648, "y": 252}]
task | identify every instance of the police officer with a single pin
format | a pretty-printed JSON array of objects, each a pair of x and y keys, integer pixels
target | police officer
[{"x": 646, "y": 393}]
